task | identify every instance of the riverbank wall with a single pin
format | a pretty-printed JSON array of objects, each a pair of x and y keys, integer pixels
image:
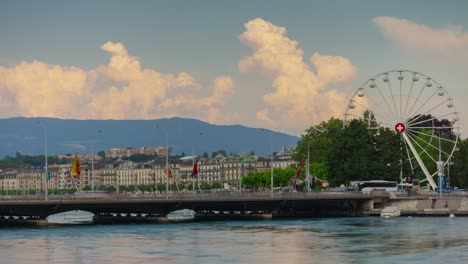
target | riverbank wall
[{"x": 425, "y": 205}]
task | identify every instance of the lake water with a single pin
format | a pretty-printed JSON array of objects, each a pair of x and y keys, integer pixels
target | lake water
[{"x": 324, "y": 240}]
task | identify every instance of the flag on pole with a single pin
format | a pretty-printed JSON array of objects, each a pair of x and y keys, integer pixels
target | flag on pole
[
  {"x": 75, "y": 169},
  {"x": 48, "y": 175},
  {"x": 195, "y": 170},
  {"x": 70, "y": 177},
  {"x": 171, "y": 176},
  {"x": 298, "y": 172}
]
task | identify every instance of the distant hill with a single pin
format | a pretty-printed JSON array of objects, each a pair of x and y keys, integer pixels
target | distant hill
[{"x": 26, "y": 135}]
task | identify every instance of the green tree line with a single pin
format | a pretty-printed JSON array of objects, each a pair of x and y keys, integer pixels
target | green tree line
[{"x": 21, "y": 161}]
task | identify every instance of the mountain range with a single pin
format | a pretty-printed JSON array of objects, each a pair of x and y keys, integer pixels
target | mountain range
[{"x": 64, "y": 136}]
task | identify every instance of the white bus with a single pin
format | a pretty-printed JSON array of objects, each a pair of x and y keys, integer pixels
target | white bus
[{"x": 368, "y": 186}]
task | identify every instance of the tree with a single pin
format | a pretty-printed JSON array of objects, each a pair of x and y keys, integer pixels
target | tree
[
  {"x": 205, "y": 186},
  {"x": 217, "y": 185},
  {"x": 319, "y": 170},
  {"x": 161, "y": 187},
  {"x": 353, "y": 156},
  {"x": 108, "y": 188},
  {"x": 143, "y": 187},
  {"x": 354, "y": 152},
  {"x": 318, "y": 140},
  {"x": 389, "y": 150},
  {"x": 181, "y": 186},
  {"x": 281, "y": 177},
  {"x": 459, "y": 169},
  {"x": 102, "y": 154},
  {"x": 252, "y": 180},
  {"x": 190, "y": 186},
  {"x": 221, "y": 151},
  {"x": 21, "y": 161},
  {"x": 131, "y": 188},
  {"x": 142, "y": 158}
]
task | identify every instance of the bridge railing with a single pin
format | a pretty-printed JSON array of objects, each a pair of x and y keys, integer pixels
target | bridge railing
[{"x": 222, "y": 195}]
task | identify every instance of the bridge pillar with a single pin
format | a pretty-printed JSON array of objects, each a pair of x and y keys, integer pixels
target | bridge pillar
[{"x": 367, "y": 205}]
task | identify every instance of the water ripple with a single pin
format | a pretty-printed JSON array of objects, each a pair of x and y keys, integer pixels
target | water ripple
[{"x": 327, "y": 240}]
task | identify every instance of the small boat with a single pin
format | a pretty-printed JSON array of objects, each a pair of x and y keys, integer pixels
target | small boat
[{"x": 390, "y": 211}]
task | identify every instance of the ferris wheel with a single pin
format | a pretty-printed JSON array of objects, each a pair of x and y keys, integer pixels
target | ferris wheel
[{"x": 417, "y": 108}]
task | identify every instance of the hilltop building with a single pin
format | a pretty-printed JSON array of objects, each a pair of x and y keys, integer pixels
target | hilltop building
[{"x": 127, "y": 152}]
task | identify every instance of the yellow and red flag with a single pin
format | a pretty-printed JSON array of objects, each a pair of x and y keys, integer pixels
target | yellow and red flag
[
  {"x": 75, "y": 169},
  {"x": 171, "y": 176}
]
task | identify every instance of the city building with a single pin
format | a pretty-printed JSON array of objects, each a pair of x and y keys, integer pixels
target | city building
[
  {"x": 283, "y": 159},
  {"x": 128, "y": 152},
  {"x": 219, "y": 169},
  {"x": 8, "y": 180},
  {"x": 233, "y": 168}
]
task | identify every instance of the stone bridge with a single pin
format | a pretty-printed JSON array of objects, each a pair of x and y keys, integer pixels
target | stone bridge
[{"x": 116, "y": 208}]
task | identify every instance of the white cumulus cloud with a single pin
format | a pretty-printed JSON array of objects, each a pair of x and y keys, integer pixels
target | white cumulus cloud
[
  {"x": 301, "y": 96},
  {"x": 121, "y": 89},
  {"x": 449, "y": 41}
]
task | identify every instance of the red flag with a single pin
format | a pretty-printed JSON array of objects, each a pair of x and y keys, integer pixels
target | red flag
[
  {"x": 298, "y": 172},
  {"x": 195, "y": 170}
]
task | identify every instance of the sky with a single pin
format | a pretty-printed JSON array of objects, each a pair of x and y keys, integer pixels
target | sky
[{"x": 282, "y": 65}]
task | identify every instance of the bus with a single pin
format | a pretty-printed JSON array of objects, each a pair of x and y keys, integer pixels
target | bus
[{"x": 368, "y": 186}]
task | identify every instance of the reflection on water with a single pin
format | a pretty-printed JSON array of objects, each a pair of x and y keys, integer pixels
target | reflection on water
[{"x": 329, "y": 240}]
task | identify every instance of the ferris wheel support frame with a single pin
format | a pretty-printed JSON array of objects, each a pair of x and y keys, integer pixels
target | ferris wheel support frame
[{"x": 420, "y": 162}]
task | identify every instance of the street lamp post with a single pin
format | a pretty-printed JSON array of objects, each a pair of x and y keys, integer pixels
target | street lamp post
[
  {"x": 46, "y": 168},
  {"x": 92, "y": 163},
  {"x": 271, "y": 164},
  {"x": 271, "y": 150},
  {"x": 242, "y": 174},
  {"x": 271, "y": 174},
  {"x": 167, "y": 172},
  {"x": 167, "y": 166},
  {"x": 308, "y": 167},
  {"x": 193, "y": 165},
  {"x": 449, "y": 184},
  {"x": 440, "y": 167},
  {"x": 92, "y": 167}
]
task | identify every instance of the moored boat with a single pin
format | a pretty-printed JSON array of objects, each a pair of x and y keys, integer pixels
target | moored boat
[{"x": 390, "y": 211}]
